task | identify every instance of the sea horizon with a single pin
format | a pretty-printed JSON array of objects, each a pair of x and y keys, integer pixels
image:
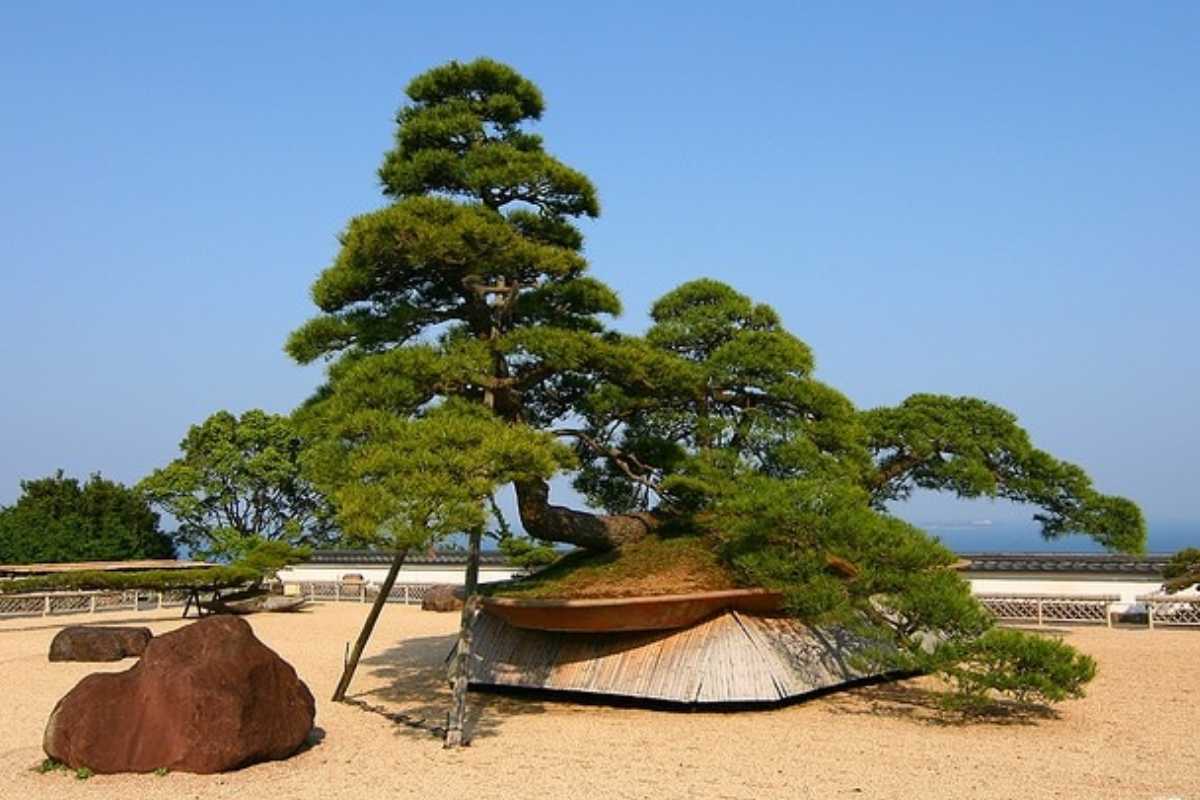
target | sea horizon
[{"x": 985, "y": 536}]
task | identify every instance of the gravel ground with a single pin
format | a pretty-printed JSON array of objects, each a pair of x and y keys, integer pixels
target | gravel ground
[{"x": 1134, "y": 736}]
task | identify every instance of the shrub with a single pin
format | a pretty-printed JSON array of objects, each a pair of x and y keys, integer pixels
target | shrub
[
  {"x": 1183, "y": 570},
  {"x": 1028, "y": 668}
]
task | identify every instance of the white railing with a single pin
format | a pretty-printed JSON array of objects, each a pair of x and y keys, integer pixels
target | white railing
[
  {"x": 335, "y": 591},
  {"x": 1038, "y": 608},
  {"x": 1166, "y": 609},
  {"x": 44, "y": 604},
  {"x": 1043, "y": 608}
]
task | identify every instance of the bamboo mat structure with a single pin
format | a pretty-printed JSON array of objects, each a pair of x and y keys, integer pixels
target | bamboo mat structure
[{"x": 733, "y": 657}]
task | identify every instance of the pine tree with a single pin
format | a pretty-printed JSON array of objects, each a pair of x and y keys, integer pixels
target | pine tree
[{"x": 466, "y": 341}]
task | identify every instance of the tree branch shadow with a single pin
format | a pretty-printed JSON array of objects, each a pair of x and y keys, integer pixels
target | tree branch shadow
[
  {"x": 923, "y": 705},
  {"x": 412, "y": 690}
]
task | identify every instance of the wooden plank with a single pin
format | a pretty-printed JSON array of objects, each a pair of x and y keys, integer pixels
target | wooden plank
[
  {"x": 730, "y": 658},
  {"x": 679, "y": 669}
]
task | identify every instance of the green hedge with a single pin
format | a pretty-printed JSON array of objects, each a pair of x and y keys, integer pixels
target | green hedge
[{"x": 152, "y": 580}]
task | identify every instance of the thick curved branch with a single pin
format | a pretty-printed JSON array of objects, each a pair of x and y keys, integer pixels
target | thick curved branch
[
  {"x": 554, "y": 523},
  {"x": 888, "y": 480}
]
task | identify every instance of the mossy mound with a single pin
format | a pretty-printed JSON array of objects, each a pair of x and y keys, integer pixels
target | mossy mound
[{"x": 653, "y": 566}]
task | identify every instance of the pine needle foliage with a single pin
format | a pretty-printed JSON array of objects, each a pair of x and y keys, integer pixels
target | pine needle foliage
[
  {"x": 260, "y": 562},
  {"x": 220, "y": 577},
  {"x": 467, "y": 349},
  {"x": 1183, "y": 570}
]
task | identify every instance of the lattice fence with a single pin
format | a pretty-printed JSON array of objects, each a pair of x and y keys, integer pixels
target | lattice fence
[
  {"x": 1079, "y": 609},
  {"x": 1165, "y": 609},
  {"x": 16, "y": 605},
  {"x": 35, "y": 605},
  {"x": 77, "y": 603},
  {"x": 47, "y": 603},
  {"x": 173, "y": 597},
  {"x": 407, "y": 593}
]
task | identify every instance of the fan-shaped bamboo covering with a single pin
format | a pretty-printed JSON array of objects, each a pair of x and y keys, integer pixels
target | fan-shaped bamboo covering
[{"x": 733, "y": 657}]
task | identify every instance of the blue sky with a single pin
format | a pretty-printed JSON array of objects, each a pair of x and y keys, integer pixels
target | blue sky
[{"x": 947, "y": 198}]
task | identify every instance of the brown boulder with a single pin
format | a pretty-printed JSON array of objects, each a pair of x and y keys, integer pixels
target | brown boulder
[
  {"x": 205, "y": 698},
  {"x": 82, "y": 643},
  {"x": 443, "y": 597}
]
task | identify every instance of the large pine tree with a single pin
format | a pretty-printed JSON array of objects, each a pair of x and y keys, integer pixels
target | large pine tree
[{"x": 464, "y": 304}]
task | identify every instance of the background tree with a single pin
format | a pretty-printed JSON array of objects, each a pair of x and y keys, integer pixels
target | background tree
[
  {"x": 470, "y": 288},
  {"x": 57, "y": 519},
  {"x": 1183, "y": 570},
  {"x": 239, "y": 482}
]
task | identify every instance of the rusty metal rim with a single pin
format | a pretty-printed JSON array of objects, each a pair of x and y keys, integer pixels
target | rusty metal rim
[{"x": 601, "y": 602}]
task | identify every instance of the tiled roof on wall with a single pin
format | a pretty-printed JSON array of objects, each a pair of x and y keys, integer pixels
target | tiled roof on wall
[
  {"x": 1067, "y": 563},
  {"x": 439, "y": 558},
  {"x": 1046, "y": 563}
]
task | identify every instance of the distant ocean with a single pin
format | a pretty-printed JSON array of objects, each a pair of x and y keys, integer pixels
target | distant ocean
[
  {"x": 1020, "y": 537},
  {"x": 983, "y": 536}
]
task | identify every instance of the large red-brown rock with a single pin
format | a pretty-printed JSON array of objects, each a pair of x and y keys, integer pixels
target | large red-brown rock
[
  {"x": 208, "y": 697},
  {"x": 442, "y": 597},
  {"x": 86, "y": 643}
]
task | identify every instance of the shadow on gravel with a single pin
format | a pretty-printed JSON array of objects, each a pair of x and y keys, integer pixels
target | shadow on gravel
[
  {"x": 415, "y": 694},
  {"x": 928, "y": 707}
]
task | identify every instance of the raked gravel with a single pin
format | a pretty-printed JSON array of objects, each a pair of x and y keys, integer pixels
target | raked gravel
[{"x": 1134, "y": 736}]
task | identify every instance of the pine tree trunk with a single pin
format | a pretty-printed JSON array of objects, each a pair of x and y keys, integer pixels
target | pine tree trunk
[
  {"x": 460, "y": 674},
  {"x": 339, "y": 693}
]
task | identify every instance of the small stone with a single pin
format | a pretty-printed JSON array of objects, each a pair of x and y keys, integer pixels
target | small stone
[
  {"x": 443, "y": 597},
  {"x": 97, "y": 643}
]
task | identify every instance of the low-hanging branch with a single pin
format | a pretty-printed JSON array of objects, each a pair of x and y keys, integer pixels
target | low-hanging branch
[
  {"x": 217, "y": 577},
  {"x": 617, "y": 456}
]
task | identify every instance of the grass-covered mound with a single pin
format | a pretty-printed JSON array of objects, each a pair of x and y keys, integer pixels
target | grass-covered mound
[{"x": 652, "y": 566}]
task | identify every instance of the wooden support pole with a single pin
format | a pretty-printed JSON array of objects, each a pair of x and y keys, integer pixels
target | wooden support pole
[
  {"x": 351, "y": 664},
  {"x": 460, "y": 670}
]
